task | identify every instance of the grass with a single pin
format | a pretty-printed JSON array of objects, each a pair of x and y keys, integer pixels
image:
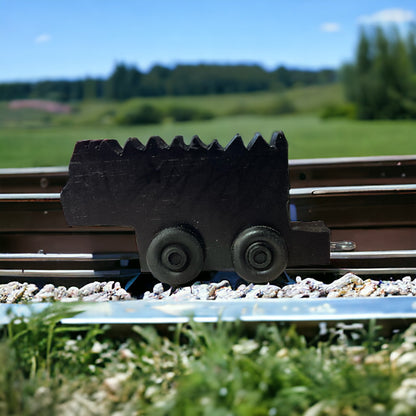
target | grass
[
  {"x": 305, "y": 99},
  {"x": 203, "y": 369},
  {"x": 33, "y": 139},
  {"x": 308, "y": 136}
]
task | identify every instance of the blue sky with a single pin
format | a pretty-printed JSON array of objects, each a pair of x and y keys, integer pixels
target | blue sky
[{"x": 68, "y": 39}]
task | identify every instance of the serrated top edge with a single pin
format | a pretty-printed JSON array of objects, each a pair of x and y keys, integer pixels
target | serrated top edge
[
  {"x": 156, "y": 143},
  {"x": 257, "y": 143},
  {"x": 236, "y": 144},
  {"x": 215, "y": 146}
]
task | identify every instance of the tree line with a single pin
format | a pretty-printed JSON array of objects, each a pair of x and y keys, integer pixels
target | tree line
[
  {"x": 126, "y": 81},
  {"x": 381, "y": 82}
]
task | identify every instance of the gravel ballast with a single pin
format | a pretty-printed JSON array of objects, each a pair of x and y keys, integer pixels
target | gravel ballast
[{"x": 349, "y": 285}]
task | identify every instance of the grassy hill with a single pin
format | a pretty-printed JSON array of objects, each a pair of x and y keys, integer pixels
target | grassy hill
[{"x": 33, "y": 138}]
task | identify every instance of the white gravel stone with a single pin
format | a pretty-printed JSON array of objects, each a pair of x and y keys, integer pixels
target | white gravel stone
[
  {"x": 14, "y": 292},
  {"x": 349, "y": 285}
]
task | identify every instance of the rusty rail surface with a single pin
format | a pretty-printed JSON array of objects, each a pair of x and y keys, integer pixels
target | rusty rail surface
[{"x": 369, "y": 203}]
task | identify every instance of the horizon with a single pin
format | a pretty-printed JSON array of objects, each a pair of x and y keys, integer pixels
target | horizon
[
  {"x": 104, "y": 78},
  {"x": 47, "y": 40}
]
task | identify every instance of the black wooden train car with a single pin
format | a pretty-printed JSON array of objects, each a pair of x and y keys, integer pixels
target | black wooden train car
[{"x": 195, "y": 207}]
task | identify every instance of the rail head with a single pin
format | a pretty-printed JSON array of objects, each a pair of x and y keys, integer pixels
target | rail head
[
  {"x": 29, "y": 197},
  {"x": 355, "y": 189},
  {"x": 358, "y": 160},
  {"x": 52, "y": 170}
]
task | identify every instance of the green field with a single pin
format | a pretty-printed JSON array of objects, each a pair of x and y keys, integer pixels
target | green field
[{"x": 30, "y": 138}]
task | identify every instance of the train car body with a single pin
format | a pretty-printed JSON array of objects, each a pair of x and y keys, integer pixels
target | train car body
[{"x": 195, "y": 207}]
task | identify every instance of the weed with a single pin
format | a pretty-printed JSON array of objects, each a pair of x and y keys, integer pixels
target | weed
[{"x": 203, "y": 369}]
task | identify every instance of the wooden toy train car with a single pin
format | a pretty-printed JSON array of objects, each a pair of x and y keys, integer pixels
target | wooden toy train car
[{"x": 195, "y": 207}]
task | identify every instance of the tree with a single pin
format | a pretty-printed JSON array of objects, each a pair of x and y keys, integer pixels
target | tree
[
  {"x": 93, "y": 88},
  {"x": 411, "y": 46},
  {"x": 126, "y": 82},
  {"x": 380, "y": 83},
  {"x": 154, "y": 82},
  {"x": 123, "y": 83}
]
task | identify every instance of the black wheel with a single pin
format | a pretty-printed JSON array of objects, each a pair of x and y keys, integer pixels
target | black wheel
[
  {"x": 175, "y": 256},
  {"x": 259, "y": 254}
]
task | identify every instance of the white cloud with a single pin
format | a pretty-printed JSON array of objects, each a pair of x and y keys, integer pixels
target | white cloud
[
  {"x": 388, "y": 16},
  {"x": 330, "y": 27},
  {"x": 43, "y": 38}
]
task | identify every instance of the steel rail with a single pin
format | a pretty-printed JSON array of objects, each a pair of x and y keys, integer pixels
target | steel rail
[
  {"x": 352, "y": 171},
  {"x": 359, "y": 160},
  {"x": 123, "y": 261},
  {"x": 126, "y": 269},
  {"x": 397, "y": 311},
  {"x": 41, "y": 257},
  {"x": 303, "y": 172},
  {"x": 55, "y": 197},
  {"x": 360, "y": 271},
  {"x": 5, "y": 257},
  {"x": 373, "y": 254},
  {"x": 294, "y": 192},
  {"x": 47, "y": 170},
  {"x": 353, "y": 189},
  {"x": 261, "y": 310},
  {"x": 69, "y": 273}
]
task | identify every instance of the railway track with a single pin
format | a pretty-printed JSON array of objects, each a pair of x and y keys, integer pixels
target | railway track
[
  {"x": 369, "y": 204},
  {"x": 378, "y": 170}
]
